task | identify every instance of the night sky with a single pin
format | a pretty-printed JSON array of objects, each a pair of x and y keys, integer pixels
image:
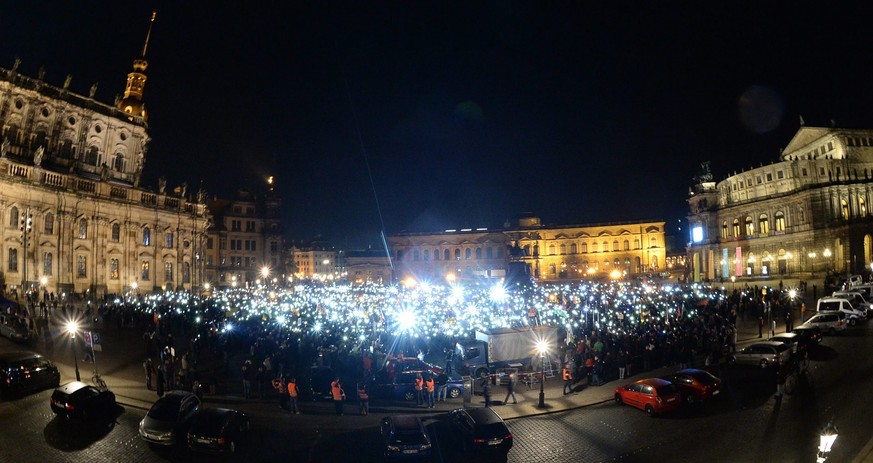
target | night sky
[{"x": 467, "y": 115}]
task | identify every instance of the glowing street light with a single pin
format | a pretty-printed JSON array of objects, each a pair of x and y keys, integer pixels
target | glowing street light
[
  {"x": 826, "y": 441},
  {"x": 450, "y": 277},
  {"x": 72, "y": 328},
  {"x": 265, "y": 271}
]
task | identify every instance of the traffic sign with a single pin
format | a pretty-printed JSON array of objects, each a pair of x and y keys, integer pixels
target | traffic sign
[{"x": 95, "y": 340}]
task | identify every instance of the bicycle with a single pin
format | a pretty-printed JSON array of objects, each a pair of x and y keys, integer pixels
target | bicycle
[{"x": 98, "y": 381}]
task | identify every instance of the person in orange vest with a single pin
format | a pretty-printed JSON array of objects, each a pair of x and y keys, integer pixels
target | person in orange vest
[
  {"x": 292, "y": 396},
  {"x": 364, "y": 399},
  {"x": 279, "y": 385},
  {"x": 336, "y": 391},
  {"x": 429, "y": 383},
  {"x": 568, "y": 379},
  {"x": 419, "y": 386}
]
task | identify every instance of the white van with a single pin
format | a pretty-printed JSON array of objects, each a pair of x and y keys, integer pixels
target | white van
[
  {"x": 835, "y": 304},
  {"x": 856, "y": 299}
]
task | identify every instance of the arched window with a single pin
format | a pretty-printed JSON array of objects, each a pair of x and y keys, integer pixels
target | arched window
[
  {"x": 764, "y": 224},
  {"x": 636, "y": 243},
  {"x": 49, "y": 225},
  {"x": 113, "y": 269},
  {"x": 446, "y": 255},
  {"x": 12, "y": 256},
  {"x": 478, "y": 253},
  {"x": 626, "y": 245},
  {"x": 489, "y": 252},
  {"x": 551, "y": 249},
  {"x": 779, "y": 217},
  {"x": 736, "y": 228},
  {"x": 415, "y": 255},
  {"x": 118, "y": 165},
  {"x": 584, "y": 247},
  {"x": 47, "y": 267},
  {"x": 862, "y": 207},
  {"x": 457, "y": 253},
  {"x": 427, "y": 255},
  {"x": 66, "y": 149},
  {"x": 605, "y": 247},
  {"x": 573, "y": 248},
  {"x": 38, "y": 139},
  {"x": 186, "y": 272},
  {"x": 750, "y": 227},
  {"x": 83, "y": 229},
  {"x": 637, "y": 267},
  {"x": 594, "y": 246},
  {"x": 436, "y": 254},
  {"x": 617, "y": 263},
  {"x": 527, "y": 249},
  {"x": 144, "y": 270},
  {"x": 13, "y": 217},
  {"x": 116, "y": 232},
  {"x": 563, "y": 249},
  {"x": 91, "y": 157},
  {"x": 615, "y": 245},
  {"x": 724, "y": 230},
  {"x": 844, "y": 209},
  {"x": 147, "y": 237},
  {"x": 468, "y": 254}
]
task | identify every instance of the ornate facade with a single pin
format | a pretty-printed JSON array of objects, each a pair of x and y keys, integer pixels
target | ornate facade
[
  {"x": 73, "y": 216},
  {"x": 805, "y": 214},
  {"x": 547, "y": 253}
]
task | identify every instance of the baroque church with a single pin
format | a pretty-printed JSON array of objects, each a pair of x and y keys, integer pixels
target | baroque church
[{"x": 73, "y": 217}]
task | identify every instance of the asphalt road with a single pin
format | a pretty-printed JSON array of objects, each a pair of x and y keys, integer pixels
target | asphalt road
[{"x": 745, "y": 424}]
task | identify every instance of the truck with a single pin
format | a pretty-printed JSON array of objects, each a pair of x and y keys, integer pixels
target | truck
[{"x": 496, "y": 349}]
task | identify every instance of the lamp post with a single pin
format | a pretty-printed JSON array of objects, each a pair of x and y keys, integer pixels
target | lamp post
[
  {"x": 72, "y": 328},
  {"x": 827, "y": 439},
  {"x": 542, "y": 347}
]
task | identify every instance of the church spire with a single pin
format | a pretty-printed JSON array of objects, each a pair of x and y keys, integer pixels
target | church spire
[{"x": 132, "y": 102}]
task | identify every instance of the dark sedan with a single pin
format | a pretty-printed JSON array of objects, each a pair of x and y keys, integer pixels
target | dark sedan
[
  {"x": 695, "y": 385},
  {"x": 169, "y": 417},
  {"x": 482, "y": 430},
  {"x": 810, "y": 335},
  {"x": 79, "y": 400},
  {"x": 218, "y": 430}
]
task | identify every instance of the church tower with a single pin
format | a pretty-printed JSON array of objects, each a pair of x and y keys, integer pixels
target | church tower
[{"x": 132, "y": 102}]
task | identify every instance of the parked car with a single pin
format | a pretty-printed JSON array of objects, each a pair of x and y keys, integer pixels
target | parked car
[
  {"x": 22, "y": 372},
  {"x": 218, "y": 430},
  {"x": 483, "y": 432},
  {"x": 17, "y": 328},
  {"x": 695, "y": 385},
  {"x": 763, "y": 354},
  {"x": 405, "y": 437},
  {"x": 857, "y": 299},
  {"x": 834, "y": 304},
  {"x": 790, "y": 339},
  {"x": 828, "y": 322},
  {"x": 403, "y": 386},
  {"x": 653, "y": 395},
  {"x": 169, "y": 418},
  {"x": 810, "y": 335},
  {"x": 79, "y": 400}
]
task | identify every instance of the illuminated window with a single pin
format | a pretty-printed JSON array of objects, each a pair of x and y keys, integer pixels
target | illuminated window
[
  {"x": 47, "y": 263},
  {"x": 780, "y": 221},
  {"x": 736, "y": 227},
  {"x": 750, "y": 227},
  {"x": 764, "y": 224},
  {"x": 862, "y": 207},
  {"x": 144, "y": 270},
  {"x": 724, "y": 230},
  {"x": 844, "y": 209},
  {"x": 81, "y": 266},
  {"x": 113, "y": 269}
]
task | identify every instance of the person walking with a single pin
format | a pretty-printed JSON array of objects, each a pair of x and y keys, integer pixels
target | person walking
[
  {"x": 292, "y": 396},
  {"x": 442, "y": 386},
  {"x": 279, "y": 384},
  {"x": 486, "y": 388},
  {"x": 510, "y": 389},
  {"x": 149, "y": 368},
  {"x": 419, "y": 390},
  {"x": 429, "y": 384},
  {"x": 364, "y": 399},
  {"x": 247, "y": 379},
  {"x": 567, "y": 375},
  {"x": 336, "y": 392}
]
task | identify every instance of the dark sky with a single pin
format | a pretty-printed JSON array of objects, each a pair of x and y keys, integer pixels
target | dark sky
[{"x": 468, "y": 114}]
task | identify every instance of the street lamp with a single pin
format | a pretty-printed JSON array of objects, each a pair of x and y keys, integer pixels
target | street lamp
[
  {"x": 542, "y": 348},
  {"x": 827, "y": 439},
  {"x": 72, "y": 328},
  {"x": 265, "y": 271}
]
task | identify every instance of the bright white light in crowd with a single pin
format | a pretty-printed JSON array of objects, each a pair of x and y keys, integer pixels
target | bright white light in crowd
[
  {"x": 542, "y": 347},
  {"x": 265, "y": 272},
  {"x": 792, "y": 293},
  {"x": 409, "y": 282},
  {"x": 406, "y": 320},
  {"x": 498, "y": 293},
  {"x": 316, "y": 328},
  {"x": 228, "y": 328},
  {"x": 280, "y": 319},
  {"x": 72, "y": 327},
  {"x": 197, "y": 320},
  {"x": 458, "y": 293}
]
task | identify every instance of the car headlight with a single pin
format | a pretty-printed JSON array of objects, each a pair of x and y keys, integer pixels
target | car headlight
[
  {"x": 425, "y": 447},
  {"x": 393, "y": 448}
]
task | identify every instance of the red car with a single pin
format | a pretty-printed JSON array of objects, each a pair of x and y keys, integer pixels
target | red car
[
  {"x": 695, "y": 385},
  {"x": 654, "y": 395}
]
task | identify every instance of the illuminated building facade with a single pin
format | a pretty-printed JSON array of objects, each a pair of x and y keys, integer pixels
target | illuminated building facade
[
  {"x": 314, "y": 262},
  {"x": 365, "y": 266},
  {"x": 72, "y": 215},
  {"x": 547, "y": 253},
  {"x": 244, "y": 243},
  {"x": 804, "y": 215}
]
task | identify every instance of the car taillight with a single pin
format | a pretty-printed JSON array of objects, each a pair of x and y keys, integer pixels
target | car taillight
[
  {"x": 478, "y": 441},
  {"x": 220, "y": 441},
  {"x": 68, "y": 407},
  {"x": 508, "y": 436}
]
